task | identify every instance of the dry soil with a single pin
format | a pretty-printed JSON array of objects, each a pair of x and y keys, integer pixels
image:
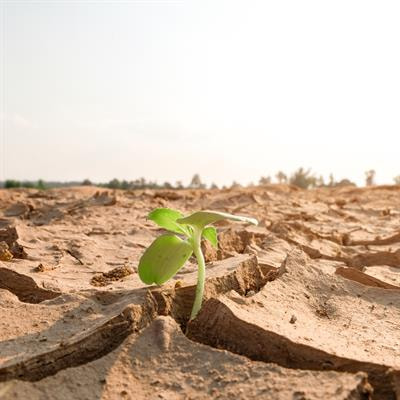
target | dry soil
[{"x": 306, "y": 305}]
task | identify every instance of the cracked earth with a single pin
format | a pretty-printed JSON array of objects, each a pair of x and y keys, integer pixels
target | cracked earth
[{"x": 304, "y": 306}]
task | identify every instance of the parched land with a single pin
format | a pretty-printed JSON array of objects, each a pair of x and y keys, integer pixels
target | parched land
[{"x": 306, "y": 305}]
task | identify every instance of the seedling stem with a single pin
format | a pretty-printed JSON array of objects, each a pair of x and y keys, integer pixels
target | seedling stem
[{"x": 201, "y": 272}]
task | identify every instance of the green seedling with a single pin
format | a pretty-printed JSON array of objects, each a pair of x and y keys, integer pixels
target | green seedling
[{"x": 169, "y": 252}]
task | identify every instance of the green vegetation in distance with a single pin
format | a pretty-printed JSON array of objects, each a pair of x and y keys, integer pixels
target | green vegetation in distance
[
  {"x": 169, "y": 252},
  {"x": 302, "y": 178},
  {"x": 12, "y": 184}
]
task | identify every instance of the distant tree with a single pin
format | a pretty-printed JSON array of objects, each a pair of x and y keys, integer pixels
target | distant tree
[
  {"x": 28, "y": 185},
  {"x": 303, "y": 179},
  {"x": 235, "y": 185},
  {"x": 167, "y": 185},
  {"x": 151, "y": 185},
  {"x": 179, "y": 185},
  {"x": 40, "y": 184},
  {"x": 114, "y": 184},
  {"x": 213, "y": 186},
  {"x": 370, "y": 177},
  {"x": 397, "y": 180},
  {"x": 11, "y": 183},
  {"x": 281, "y": 177},
  {"x": 196, "y": 182},
  {"x": 86, "y": 182},
  {"x": 124, "y": 185},
  {"x": 264, "y": 180}
]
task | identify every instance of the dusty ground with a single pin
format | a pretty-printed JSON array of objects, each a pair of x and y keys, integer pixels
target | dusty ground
[{"x": 304, "y": 306}]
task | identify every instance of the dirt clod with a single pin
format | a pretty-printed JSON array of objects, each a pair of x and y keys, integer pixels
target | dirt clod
[
  {"x": 5, "y": 254},
  {"x": 106, "y": 278}
]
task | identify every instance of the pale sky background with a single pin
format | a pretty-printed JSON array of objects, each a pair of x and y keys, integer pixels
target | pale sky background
[{"x": 232, "y": 90}]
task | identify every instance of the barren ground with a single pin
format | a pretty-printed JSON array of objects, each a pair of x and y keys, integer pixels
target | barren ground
[{"x": 304, "y": 306}]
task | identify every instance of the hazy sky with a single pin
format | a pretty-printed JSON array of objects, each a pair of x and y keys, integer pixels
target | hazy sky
[{"x": 230, "y": 89}]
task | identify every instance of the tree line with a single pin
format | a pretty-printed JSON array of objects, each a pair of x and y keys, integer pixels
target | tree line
[{"x": 302, "y": 178}]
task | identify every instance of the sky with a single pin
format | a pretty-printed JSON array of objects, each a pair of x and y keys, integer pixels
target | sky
[{"x": 232, "y": 90}]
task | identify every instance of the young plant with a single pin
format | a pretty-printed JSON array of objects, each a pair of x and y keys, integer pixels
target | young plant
[{"x": 169, "y": 252}]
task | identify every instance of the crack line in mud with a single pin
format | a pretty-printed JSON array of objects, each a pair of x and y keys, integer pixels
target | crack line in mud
[
  {"x": 73, "y": 255},
  {"x": 358, "y": 261},
  {"x": 102, "y": 341},
  {"x": 24, "y": 287},
  {"x": 271, "y": 347}
]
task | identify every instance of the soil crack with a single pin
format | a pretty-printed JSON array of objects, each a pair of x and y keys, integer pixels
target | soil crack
[{"x": 177, "y": 302}]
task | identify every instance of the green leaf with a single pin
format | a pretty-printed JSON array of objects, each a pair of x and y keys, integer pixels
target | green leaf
[
  {"x": 166, "y": 218},
  {"x": 163, "y": 259},
  {"x": 202, "y": 218},
  {"x": 210, "y": 233}
]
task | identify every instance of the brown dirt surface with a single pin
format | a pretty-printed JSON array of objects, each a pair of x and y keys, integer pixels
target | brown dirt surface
[{"x": 303, "y": 306}]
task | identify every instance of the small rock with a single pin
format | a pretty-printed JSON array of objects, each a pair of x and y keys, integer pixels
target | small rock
[
  {"x": 41, "y": 268},
  {"x": 116, "y": 274},
  {"x": 5, "y": 254}
]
